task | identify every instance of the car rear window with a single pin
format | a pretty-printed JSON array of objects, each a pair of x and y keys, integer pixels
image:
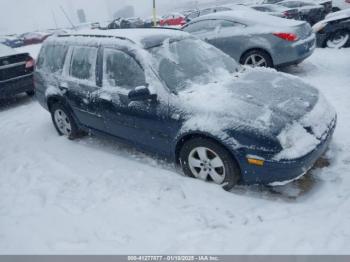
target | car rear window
[{"x": 52, "y": 58}]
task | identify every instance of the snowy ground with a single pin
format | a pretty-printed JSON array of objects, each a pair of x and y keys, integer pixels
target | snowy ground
[{"x": 96, "y": 196}]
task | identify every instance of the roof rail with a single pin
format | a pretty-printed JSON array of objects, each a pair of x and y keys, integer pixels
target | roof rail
[{"x": 97, "y": 36}]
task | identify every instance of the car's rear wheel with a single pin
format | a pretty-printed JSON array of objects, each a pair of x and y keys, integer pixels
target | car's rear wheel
[
  {"x": 207, "y": 160},
  {"x": 338, "y": 39},
  {"x": 257, "y": 58},
  {"x": 64, "y": 121}
]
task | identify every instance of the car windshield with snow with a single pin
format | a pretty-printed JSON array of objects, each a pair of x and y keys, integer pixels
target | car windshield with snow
[{"x": 171, "y": 94}]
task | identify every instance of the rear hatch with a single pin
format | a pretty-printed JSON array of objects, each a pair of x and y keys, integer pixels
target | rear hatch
[
  {"x": 303, "y": 31},
  {"x": 14, "y": 66}
]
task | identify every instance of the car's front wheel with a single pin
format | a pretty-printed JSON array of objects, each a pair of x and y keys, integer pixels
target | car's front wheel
[
  {"x": 207, "y": 160},
  {"x": 64, "y": 121},
  {"x": 338, "y": 39}
]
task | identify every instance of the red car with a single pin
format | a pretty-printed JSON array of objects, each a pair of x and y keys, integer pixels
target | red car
[
  {"x": 174, "y": 19},
  {"x": 35, "y": 37}
]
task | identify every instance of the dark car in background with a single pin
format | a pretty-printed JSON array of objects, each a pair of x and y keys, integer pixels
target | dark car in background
[
  {"x": 123, "y": 23},
  {"x": 327, "y": 4},
  {"x": 13, "y": 41},
  {"x": 16, "y": 72},
  {"x": 254, "y": 38},
  {"x": 219, "y": 123},
  {"x": 277, "y": 10},
  {"x": 308, "y": 11},
  {"x": 334, "y": 31}
]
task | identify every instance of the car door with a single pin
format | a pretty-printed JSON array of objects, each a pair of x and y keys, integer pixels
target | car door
[
  {"x": 79, "y": 84},
  {"x": 229, "y": 37},
  {"x": 143, "y": 123},
  {"x": 223, "y": 34},
  {"x": 202, "y": 29}
]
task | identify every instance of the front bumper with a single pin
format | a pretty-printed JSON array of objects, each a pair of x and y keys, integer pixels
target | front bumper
[
  {"x": 16, "y": 86},
  {"x": 286, "y": 170}
]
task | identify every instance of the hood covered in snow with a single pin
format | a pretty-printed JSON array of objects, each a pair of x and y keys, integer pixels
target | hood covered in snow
[{"x": 260, "y": 100}]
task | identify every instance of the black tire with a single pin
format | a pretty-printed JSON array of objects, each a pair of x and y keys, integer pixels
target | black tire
[
  {"x": 75, "y": 132},
  {"x": 335, "y": 9},
  {"x": 339, "y": 33},
  {"x": 231, "y": 169},
  {"x": 257, "y": 52},
  {"x": 30, "y": 93}
]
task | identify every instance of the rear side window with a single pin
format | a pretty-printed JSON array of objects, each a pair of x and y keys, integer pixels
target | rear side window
[
  {"x": 121, "y": 70},
  {"x": 52, "y": 58},
  {"x": 211, "y": 25},
  {"x": 201, "y": 26},
  {"x": 83, "y": 63}
]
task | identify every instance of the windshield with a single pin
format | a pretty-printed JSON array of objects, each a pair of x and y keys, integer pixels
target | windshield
[{"x": 188, "y": 61}]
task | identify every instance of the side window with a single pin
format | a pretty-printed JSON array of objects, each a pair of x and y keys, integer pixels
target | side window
[
  {"x": 201, "y": 26},
  {"x": 121, "y": 70},
  {"x": 83, "y": 63},
  {"x": 52, "y": 57},
  {"x": 227, "y": 24}
]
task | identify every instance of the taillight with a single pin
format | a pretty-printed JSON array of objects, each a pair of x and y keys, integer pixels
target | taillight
[
  {"x": 30, "y": 63},
  {"x": 286, "y": 14},
  {"x": 287, "y": 36}
]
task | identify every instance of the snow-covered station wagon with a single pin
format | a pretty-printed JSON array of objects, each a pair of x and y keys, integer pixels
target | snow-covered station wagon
[{"x": 169, "y": 93}]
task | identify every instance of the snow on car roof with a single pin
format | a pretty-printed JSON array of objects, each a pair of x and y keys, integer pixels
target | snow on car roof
[
  {"x": 7, "y": 51},
  {"x": 138, "y": 36},
  {"x": 251, "y": 17}
]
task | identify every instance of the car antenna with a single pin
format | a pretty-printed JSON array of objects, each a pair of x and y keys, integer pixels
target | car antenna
[{"x": 70, "y": 21}]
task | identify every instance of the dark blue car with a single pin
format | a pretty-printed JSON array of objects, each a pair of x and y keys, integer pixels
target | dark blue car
[
  {"x": 169, "y": 93},
  {"x": 12, "y": 41}
]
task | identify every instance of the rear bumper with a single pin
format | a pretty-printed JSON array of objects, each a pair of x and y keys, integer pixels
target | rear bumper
[
  {"x": 284, "y": 171},
  {"x": 16, "y": 86},
  {"x": 295, "y": 53}
]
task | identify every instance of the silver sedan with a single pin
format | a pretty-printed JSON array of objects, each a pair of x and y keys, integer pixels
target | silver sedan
[{"x": 254, "y": 38}]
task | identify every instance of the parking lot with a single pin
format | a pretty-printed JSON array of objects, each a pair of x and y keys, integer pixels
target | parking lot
[{"x": 97, "y": 196}]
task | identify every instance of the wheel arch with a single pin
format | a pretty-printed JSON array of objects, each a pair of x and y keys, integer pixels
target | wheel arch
[
  {"x": 54, "y": 99},
  {"x": 188, "y": 136}
]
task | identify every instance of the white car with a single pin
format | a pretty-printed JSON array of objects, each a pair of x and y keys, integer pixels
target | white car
[{"x": 340, "y": 4}]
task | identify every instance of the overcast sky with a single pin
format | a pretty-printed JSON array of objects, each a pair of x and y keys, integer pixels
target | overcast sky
[{"x": 18, "y": 16}]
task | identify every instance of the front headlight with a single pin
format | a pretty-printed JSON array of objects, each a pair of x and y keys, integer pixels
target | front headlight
[{"x": 318, "y": 27}]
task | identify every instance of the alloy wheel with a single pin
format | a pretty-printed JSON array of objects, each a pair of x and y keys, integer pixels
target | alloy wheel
[
  {"x": 338, "y": 40},
  {"x": 205, "y": 163},
  {"x": 256, "y": 60},
  {"x": 62, "y": 122}
]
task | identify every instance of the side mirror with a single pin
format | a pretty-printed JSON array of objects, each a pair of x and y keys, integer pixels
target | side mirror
[{"x": 141, "y": 93}]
